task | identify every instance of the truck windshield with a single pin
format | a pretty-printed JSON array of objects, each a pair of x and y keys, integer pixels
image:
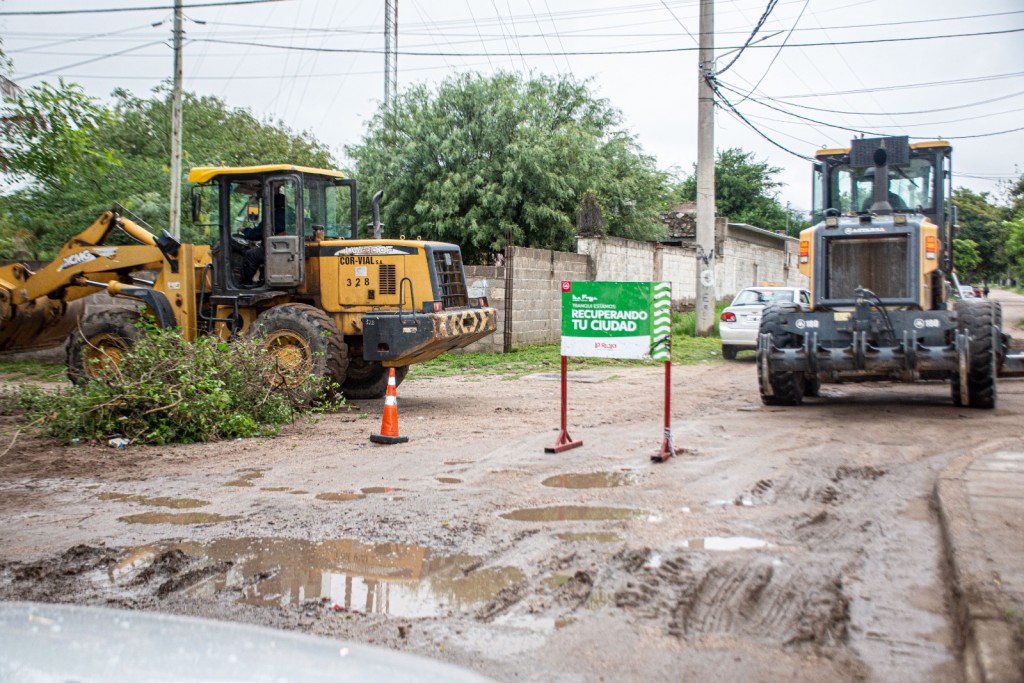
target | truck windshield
[
  {"x": 327, "y": 205},
  {"x": 911, "y": 187}
]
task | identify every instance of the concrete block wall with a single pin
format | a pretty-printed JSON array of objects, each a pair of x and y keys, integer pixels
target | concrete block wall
[
  {"x": 488, "y": 281},
  {"x": 746, "y": 264},
  {"x": 618, "y": 260},
  {"x": 537, "y": 276},
  {"x": 537, "y": 295}
]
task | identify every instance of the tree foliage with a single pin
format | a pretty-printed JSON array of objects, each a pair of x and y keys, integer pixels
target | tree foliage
[
  {"x": 746, "y": 191},
  {"x": 966, "y": 257},
  {"x": 36, "y": 219},
  {"x": 981, "y": 222},
  {"x": 47, "y": 135},
  {"x": 487, "y": 161}
]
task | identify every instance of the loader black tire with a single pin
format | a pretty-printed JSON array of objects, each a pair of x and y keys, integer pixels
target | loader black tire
[
  {"x": 100, "y": 342},
  {"x": 305, "y": 343},
  {"x": 787, "y": 387},
  {"x": 369, "y": 379},
  {"x": 978, "y": 318}
]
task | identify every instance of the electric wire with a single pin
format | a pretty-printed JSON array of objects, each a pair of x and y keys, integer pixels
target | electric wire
[
  {"x": 777, "y": 52},
  {"x": 542, "y": 53},
  {"x": 108, "y": 10},
  {"x": 757, "y": 27}
]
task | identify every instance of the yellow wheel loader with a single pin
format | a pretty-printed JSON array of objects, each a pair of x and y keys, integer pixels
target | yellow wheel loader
[
  {"x": 286, "y": 268},
  {"x": 885, "y": 301}
]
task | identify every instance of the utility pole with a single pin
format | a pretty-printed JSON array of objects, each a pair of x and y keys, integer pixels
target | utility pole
[
  {"x": 174, "y": 220},
  {"x": 390, "y": 51},
  {"x": 705, "y": 318}
]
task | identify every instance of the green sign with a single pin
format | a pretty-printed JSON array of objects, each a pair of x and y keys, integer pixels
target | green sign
[{"x": 617, "y": 319}]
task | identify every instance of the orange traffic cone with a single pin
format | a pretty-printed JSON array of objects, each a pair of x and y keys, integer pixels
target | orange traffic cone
[{"x": 389, "y": 423}]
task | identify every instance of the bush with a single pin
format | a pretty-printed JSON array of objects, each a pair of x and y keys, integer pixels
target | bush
[{"x": 169, "y": 390}]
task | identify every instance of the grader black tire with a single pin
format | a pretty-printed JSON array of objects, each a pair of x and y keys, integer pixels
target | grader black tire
[
  {"x": 787, "y": 387},
  {"x": 978, "y": 317},
  {"x": 369, "y": 379},
  {"x": 304, "y": 342},
  {"x": 101, "y": 341}
]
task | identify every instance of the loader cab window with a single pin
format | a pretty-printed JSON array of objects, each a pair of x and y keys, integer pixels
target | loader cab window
[
  {"x": 283, "y": 215},
  {"x": 328, "y": 205}
]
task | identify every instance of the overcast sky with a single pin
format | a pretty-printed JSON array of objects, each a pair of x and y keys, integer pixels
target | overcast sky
[{"x": 822, "y": 69}]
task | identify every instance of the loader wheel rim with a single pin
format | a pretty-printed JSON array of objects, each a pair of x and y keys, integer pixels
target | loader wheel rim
[
  {"x": 293, "y": 358},
  {"x": 105, "y": 350}
]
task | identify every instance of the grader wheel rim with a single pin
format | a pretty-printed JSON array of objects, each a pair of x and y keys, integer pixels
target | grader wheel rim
[
  {"x": 293, "y": 358},
  {"x": 104, "y": 350}
]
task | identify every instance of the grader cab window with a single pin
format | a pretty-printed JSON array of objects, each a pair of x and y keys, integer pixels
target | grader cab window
[{"x": 911, "y": 186}]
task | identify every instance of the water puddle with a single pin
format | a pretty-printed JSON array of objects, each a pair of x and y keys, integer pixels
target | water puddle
[
  {"x": 573, "y": 513},
  {"x": 590, "y": 480},
  {"x": 164, "y": 502},
  {"x": 591, "y": 537},
  {"x": 340, "y": 496},
  {"x": 245, "y": 479},
  {"x": 369, "y": 490},
  {"x": 276, "y": 488},
  {"x": 449, "y": 480},
  {"x": 725, "y": 543},
  {"x": 182, "y": 518},
  {"x": 459, "y": 462},
  {"x": 351, "y": 576}
]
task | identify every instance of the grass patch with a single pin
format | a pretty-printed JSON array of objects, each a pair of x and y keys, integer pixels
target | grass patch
[{"x": 37, "y": 371}]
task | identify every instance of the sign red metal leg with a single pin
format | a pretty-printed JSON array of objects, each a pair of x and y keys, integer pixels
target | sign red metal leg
[
  {"x": 668, "y": 447},
  {"x": 564, "y": 442}
]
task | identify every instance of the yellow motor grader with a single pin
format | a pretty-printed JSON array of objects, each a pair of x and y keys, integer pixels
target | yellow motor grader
[
  {"x": 885, "y": 301},
  {"x": 286, "y": 267}
]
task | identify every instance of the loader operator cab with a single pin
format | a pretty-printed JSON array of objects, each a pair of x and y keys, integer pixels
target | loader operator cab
[{"x": 264, "y": 218}]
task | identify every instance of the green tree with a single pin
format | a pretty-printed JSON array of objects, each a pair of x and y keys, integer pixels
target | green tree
[
  {"x": 966, "y": 257},
  {"x": 485, "y": 161},
  {"x": 981, "y": 221},
  {"x": 47, "y": 135},
  {"x": 137, "y": 132},
  {"x": 746, "y": 191},
  {"x": 1015, "y": 244}
]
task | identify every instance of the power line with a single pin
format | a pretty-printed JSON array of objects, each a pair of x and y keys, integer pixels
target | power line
[
  {"x": 419, "y": 53},
  {"x": 894, "y": 113},
  {"x": 107, "y": 10},
  {"x": 757, "y": 27},
  {"x": 778, "y": 52},
  {"x": 736, "y": 112},
  {"x": 856, "y": 130},
  {"x": 90, "y": 61}
]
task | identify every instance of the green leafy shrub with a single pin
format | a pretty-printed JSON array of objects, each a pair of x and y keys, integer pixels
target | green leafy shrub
[{"x": 169, "y": 390}]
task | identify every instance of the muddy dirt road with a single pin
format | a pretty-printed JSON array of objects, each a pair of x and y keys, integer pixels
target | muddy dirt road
[{"x": 786, "y": 544}]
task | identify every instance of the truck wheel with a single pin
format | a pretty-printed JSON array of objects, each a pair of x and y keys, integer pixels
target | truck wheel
[
  {"x": 304, "y": 342},
  {"x": 787, "y": 387},
  {"x": 978, "y": 318},
  {"x": 100, "y": 342},
  {"x": 369, "y": 379},
  {"x": 729, "y": 352},
  {"x": 812, "y": 386}
]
